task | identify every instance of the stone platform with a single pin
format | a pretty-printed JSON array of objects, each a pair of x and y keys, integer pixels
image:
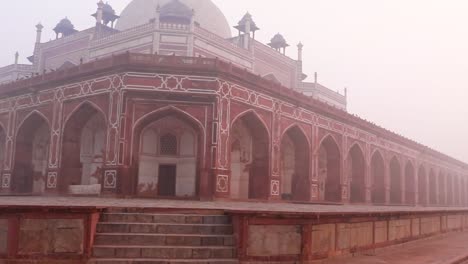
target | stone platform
[
  {"x": 229, "y": 206},
  {"x": 273, "y": 233}
]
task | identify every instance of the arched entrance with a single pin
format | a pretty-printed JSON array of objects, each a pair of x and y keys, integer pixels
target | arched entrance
[
  {"x": 456, "y": 190},
  {"x": 410, "y": 184},
  {"x": 330, "y": 170},
  {"x": 378, "y": 178},
  {"x": 249, "y": 158},
  {"x": 432, "y": 188},
  {"x": 395, "y": 181},
  {"x": 31, "y": 156},
  {"x": 168, "y": 149},
  {"x": 295, "y": 182},
  {"x": 442, "y": 188},
  {"x": 449, "y": 190},
  {"x": 83, "y": 151},
  {"x": 2, "y": 146},
  {"x": 422, "y": 186},
  {"x": 357, "y": 169}
]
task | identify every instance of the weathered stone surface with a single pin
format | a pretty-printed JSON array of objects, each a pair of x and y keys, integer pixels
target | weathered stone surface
[
  {"x": 323, "y": 238},
  {"x": 381, "y": 232},
  {"x": 454, "y": 221},
  {"x": 399, "y": 229},
  {"x": 3, "y": 236},
  {"x": 430, "y": 225},
  {"x": 355, "y": 235},
  {"x": 415, "y": 227},
  {"x": 274, "y": 240},
  {"x": 49, "y": 236}
]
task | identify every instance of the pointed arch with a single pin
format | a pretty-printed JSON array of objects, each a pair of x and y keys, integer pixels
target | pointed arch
[
  {"x": 250, "y": 165},
  {"x": 442, "y": 186},
  {"x": 432, "y": 187},
  {"x": 84, "y": 141},
  {"x": 329, "y": 169},
  {"x": 31, "y": 154},
  {"x": 295, "y": 164},
  {"x": 378, "y": 178},
  {"x": 450, "y": 189},
  {"x": 410, "y": 183},
  {"x": 168, "y": 147},
  {"x": 395, "y": 181},
  {"x": 357, "y": 171},
  {"x": 422, "y": 185}
]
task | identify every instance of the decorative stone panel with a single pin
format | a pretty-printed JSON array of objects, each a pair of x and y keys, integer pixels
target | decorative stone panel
[
  {"x": 52, "y": 180},
  {"x": 274, "y": 240},
  {"x": 110, "y": 179},
  {"x": 6, "y": 179},
  {"x": 222, "y": 183}
]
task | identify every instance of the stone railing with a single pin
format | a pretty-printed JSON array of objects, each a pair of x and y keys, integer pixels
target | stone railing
[
  {"x": 203, "y": 33},
  {"x": 132, "y": 32},
  {"x": 174, "y": 27}
]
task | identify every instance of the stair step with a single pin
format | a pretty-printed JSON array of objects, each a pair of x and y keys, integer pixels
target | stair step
[
  {"x": 119, "y": 227},
  {"x": 161, "y": 261},
  {"x": 164, "y": 252},
  {"x": 163, "y": 239},
  {"x": 165, "y": 218}
]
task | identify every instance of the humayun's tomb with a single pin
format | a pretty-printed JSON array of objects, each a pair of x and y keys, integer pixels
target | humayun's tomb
[{"x": 163, "y": 102}]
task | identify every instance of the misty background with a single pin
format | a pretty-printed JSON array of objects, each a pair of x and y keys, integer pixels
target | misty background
[{"x": 404, "y": 62}]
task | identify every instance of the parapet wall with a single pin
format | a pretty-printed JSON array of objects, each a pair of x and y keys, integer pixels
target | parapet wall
[{"x": 293, "y": 239}]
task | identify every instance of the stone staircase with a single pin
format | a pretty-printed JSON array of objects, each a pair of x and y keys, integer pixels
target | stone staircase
[{"x": 164, "y": 238}]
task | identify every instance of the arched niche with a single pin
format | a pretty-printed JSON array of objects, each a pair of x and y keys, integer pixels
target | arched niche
[
  {"x": 83, "y": 151},
  {"x": 357, "y": 172},
  {"x": 295, "y": 165},
  {"x": 329, "y": 169},
  {"x": 32, "y": 144},
  {"x": 250, "y": 158}
]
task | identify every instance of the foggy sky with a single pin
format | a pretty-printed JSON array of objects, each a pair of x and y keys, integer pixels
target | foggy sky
[{"x": 404, "y": 62}]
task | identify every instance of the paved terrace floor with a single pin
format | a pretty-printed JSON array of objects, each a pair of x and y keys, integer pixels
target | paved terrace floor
[
  {"x": 444, "y": 249},
  {"x": 290, "y": 208}
]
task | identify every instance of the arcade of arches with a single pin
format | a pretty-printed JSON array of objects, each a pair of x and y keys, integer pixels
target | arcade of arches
[{"x": 167, "y": 161}]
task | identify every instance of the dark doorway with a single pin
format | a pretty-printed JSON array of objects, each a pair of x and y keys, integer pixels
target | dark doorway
[{"x": 167, "y": 180}]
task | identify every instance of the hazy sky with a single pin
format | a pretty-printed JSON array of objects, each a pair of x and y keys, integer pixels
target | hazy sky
[{"x": 405, "y": 62}]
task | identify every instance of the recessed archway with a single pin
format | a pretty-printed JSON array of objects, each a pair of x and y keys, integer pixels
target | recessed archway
[
  {"x": 357, "y": 170},
  {"x": 330, "y": 170},
  {"x": 378, "y": 178},
  {"x": 395, "y": 181},
  {"x": 295, "y": 183},
  {"x": 250, "y": 156},
  {"x": 449, "y": 190},
  {"x": 422, "y": 186},
  {"x": 83, "y": 151},
  {"x": 168, "y": 151},
  {"x": 432, "y": 188},
  {"x": 31, "y": 155},
  {"x": 456, "y": 190},
  {"x": 442, "y": 189},
  {"x": 410, "y": 184}
]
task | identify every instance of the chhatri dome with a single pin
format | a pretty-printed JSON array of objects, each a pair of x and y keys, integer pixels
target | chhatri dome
[{"x": 207, "y": 14}]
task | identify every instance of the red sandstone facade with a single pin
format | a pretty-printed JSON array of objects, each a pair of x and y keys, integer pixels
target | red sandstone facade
[{"x": 209, "y": 130}]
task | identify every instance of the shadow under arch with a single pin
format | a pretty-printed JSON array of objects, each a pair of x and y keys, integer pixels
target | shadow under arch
[
  {"x": 250, "y": 157},
  {"x": 84, "y": 141},
  {"x": 378, "y": 178},
  {"x": 31, "y": 154},
  {"x": 295, "y": 165},
  {"x": 329, "y": 170}
]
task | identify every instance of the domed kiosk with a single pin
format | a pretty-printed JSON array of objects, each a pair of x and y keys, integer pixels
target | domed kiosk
[{"x": 207, "y": 14}]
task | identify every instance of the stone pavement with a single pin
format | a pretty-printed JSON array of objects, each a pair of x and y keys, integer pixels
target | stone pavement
[
  {"x": 272, "y": 207},
  {"x": 449, "y": 248}
]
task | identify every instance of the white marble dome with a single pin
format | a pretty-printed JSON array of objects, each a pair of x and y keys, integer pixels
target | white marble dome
[{"x": 207, "y": 14}]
